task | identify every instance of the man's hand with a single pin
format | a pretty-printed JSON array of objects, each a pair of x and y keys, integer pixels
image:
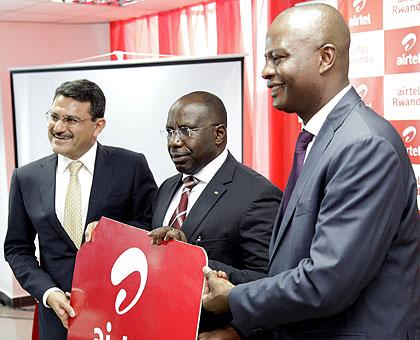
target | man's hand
[
  {"x": 220, "y": 274},
  {"x": 227, "y": 333},
  {"x": 216, "y": 293},
  {"x": 60, "y": 303},
  {"x": 164, "y": 234},
  {"x": 89, "y": 230}
]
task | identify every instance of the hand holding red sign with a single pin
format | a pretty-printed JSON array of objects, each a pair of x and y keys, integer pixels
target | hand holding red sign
[{"x": 126, "y": 288}]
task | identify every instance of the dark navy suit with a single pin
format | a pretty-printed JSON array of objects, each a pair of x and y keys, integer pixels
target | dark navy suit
[
  {"x": 344, "y": 259},
  {"x": 232, "y": 220},
  {"x": 123, "y": 189}
]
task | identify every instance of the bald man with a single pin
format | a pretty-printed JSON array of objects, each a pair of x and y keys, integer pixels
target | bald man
[
  {"x": 344, "y": 256},
  {"x": 231, "y": 208}
]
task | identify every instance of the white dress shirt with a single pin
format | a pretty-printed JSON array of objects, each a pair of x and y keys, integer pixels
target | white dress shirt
[
  {"x": 62, "y": 178},
  {"x": 314, "y": 124},
  {"x": 204, "y": 176}
]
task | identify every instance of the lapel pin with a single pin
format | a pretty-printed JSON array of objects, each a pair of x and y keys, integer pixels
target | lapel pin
[{"x": 216, "y": 193}]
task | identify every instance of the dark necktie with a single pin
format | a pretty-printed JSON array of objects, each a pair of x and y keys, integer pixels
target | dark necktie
[
  {"x": 180, "y": 212},
  {"x": 300, "y": 151}
]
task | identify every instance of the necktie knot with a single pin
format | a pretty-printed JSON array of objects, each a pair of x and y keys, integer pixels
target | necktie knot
[
  {"x": 74, "y": 167},
  {"x": 180, "y": 213},
  {"x": 190, "y": 182},
  {"x": 303, "y": 140}
]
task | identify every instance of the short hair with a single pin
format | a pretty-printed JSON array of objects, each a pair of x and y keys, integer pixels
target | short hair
[
  {"x": 84, "y": 90},
  {"x": 213, "y": 102}
]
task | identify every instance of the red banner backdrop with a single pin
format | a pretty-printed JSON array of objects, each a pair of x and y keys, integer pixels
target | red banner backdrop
[
  {"x": 384, "y": 69},
  {"x": 385, "y": 64}
]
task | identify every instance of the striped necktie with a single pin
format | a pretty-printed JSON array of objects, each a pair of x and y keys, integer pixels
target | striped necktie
[{"x": 180, "y": 212}]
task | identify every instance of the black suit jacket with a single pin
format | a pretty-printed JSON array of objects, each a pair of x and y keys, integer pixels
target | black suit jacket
[
  {"x": 232, "y": 220},
  {"x": 123, "y": 189}
]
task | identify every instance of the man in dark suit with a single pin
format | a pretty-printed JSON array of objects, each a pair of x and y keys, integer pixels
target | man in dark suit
[
  {"x": 49, "y": 201},
  {"x": 231, "y": 209},
  {"x": 344, "y": 256}
]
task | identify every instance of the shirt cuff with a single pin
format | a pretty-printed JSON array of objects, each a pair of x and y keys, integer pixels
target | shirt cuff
[{"x": 47, "y": 293}]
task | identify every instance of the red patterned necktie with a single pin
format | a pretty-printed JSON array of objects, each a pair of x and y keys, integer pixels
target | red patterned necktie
[
  {"x": 180, "y": 212},
  {"x": 300, "y": 151}
]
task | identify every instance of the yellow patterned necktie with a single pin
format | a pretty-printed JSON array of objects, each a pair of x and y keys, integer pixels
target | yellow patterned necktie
[{"x": 73, "y": 206}]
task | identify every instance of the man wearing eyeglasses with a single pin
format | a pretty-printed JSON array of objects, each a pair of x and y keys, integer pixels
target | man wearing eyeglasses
[
  {"x": 55, "y": 197},
  {"x": 231, "y": 208}
]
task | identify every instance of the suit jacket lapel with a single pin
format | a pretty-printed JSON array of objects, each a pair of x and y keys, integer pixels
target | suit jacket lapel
[
  {"x": 326, "y": 134},
  {"x": 46, "y": 184},
  {"x": 166, "y": 193},
  {"x": 214, "y": 190},
  {"x": 276, "y": 227},
  {"x": 104, "y": 167}
]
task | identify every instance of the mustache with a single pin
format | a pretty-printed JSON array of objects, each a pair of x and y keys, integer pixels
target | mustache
[
  {"x": 174, "y": 153},
  {"x": 61, "y": 134}
]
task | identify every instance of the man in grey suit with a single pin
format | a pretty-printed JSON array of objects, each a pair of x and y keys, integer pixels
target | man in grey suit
[
  {"x": 110, "y": 181},
  {"x": 230, "y": 210},
  {"x": 344, "y": 256}
]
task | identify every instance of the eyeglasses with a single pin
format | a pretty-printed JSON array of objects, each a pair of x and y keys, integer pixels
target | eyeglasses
[
  {"x": 183, "y": 132},
  {"x": 70, "y": 121}
]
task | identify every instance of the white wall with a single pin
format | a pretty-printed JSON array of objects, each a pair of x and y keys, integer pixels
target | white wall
[
  {"x": 5, "y": 280},
  {"x": 27, "y": 44}
]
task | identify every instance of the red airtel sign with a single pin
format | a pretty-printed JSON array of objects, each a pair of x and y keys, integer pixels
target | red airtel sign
[
  {"x": 124, "y": 288},
  {"x": 362, "y": 15},
  {"x": 402, "y": 50},
  {"x": 409, "y": 131}
]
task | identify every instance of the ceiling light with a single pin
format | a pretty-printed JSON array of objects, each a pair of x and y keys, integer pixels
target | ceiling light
[{"x": 99, "y": 2}]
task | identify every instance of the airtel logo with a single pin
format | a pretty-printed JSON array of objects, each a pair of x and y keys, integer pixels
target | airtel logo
[
  {"x": 409, "y": 41},
  {"x": 359, "y": 5},
  {"x": 130, "y": 261},
  {"x": 362, "y": 90},
  {"x": 409, "y": 134}
]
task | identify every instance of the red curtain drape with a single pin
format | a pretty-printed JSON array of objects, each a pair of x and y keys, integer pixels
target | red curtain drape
[
  {"x": 117, "y": 30},
  {"x": 35, "y": 329},
  {"x": 284, "y": 128},
  {"x": 229, "y": 41},
  {"x": 170, "y": 41},
  {"x": 229, "y": 32}
]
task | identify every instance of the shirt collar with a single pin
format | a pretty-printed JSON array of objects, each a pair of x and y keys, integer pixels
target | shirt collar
[
  {"x": 207, "y": 173},
  {"x": 88, "y": 160},
  {"x": 315, "y": 123}
]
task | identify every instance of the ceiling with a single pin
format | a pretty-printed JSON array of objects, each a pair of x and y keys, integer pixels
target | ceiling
[{"x": 46, "y": 11}]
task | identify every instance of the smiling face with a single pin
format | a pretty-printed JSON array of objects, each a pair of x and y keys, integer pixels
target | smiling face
[
  {"x": 191, "y": 154},
  {"x": 292, "y": 69},
  {"x": 74, "y": 141},
  {"x": 306, "y": 58}
]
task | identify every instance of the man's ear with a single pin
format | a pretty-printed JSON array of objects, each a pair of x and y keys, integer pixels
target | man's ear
[
  {"x": 99, "y": 126},
  {"x": 328, "y": 55},
  {"x": 220, "y": 134}
]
